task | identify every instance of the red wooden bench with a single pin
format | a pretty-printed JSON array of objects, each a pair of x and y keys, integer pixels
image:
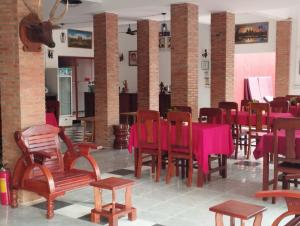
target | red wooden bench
[{"x": 44, "y": 170}]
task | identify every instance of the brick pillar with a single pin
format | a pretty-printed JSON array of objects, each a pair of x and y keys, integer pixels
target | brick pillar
[
  {"x": 148, "y": 61},
  {"x": 106, "y": 77},
  {"x": 22, "y": 83},
  {"x": 283, "y": 48},
  {"x": 184, "y": 56},
  {"x": 222, "y": 57}
]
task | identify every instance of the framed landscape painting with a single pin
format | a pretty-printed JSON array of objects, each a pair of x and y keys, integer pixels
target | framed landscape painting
[
  {"x": 251, "y": 33},
  {"x": 80, "y": 39}
]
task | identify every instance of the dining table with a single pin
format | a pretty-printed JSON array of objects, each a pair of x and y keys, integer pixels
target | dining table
[
  {"x": 207, "y": 139},
  {"x": 264, "y": 149}
]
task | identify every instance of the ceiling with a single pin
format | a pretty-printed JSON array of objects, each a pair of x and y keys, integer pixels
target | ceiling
[{"x": 130, "y": 11}]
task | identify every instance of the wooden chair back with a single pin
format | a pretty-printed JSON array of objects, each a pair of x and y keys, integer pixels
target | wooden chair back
[
  {"x": 41, "y": 144},
  {"x": 230, "y": 107},
  {"x": 260, "y": 110},
  {"x": 280, "y": 105},
  {"x": 210, "y": 115},
  {"x": 148, "y": 127},
  {"x": 180, "y": 121},
  {"x": 182, "y": 108},
  {"x": 289, "y": 126},
  {"x": 280, "y": 98},
  {"x": 245, "y": 105}
]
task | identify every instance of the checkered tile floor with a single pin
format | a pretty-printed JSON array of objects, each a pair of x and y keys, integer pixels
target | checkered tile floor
[{"x": 82, "y": 212}]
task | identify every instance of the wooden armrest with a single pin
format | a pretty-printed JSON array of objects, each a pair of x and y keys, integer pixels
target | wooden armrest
[
  {"x": 40, "y": 156},
  {"x": 278, "y": 193},
  {"x": 84, "y": 148}
]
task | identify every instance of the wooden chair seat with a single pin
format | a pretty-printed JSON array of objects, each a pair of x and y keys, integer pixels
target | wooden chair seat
[{"x": 63, "y": 180}]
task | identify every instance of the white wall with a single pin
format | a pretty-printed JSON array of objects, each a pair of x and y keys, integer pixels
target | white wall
[{"x": 62, "y": 49}]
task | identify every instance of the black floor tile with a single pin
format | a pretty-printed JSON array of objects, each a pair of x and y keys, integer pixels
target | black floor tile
[
  {"x": 103, "y": 220},
  {"x": 122, "y": 172},
  {"x": 247, "y": 163},
  {"x": 57, "y": 205}
]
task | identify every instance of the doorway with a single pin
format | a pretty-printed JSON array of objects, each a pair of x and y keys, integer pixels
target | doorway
[{"x": 82, "y": 79}]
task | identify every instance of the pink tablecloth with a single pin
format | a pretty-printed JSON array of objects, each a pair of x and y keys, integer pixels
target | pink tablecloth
[
  {"x": 207, "y": 139},
  {"x": 243, "y": 117},
  {"x": 50, "y": 119},
  {"x": 265, "y": 145}
]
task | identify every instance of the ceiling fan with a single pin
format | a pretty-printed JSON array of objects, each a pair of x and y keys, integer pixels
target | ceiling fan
[
  {"x": 130, "y": 31},
  {"x": 71, "y": 2}
]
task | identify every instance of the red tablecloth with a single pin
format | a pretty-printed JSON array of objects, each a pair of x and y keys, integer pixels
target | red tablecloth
[
  {"x": 243, "y": 117},
  {"x": 207, "y": 139},
  {"x": 294, "y": 110},
  {"x": 50, "y": 119},
  {"x": 265, "y": 144}
]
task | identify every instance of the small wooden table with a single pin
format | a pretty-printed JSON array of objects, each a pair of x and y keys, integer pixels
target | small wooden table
[
  {"x": 112, "y": 210},
  {"x": 236, "y": 209}
]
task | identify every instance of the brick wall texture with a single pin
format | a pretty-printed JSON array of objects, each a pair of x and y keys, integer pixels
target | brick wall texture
[
  {"x": 283, "y": 47},
  {"x": 106, "y": 77},
  {"x": 222, "y": 57},
  {"x": 22, "y": 82},
  {"x": 184, "y": 56},
  {"x": 148, "y": 63}
]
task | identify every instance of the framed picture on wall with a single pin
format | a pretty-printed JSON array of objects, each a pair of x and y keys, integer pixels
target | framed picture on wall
[
  {"x": 251, "y": 33},
  {"x": 80, "y": 39},
  {"x": 132, "y": 58},
  {"x": 205, "y": 65}
]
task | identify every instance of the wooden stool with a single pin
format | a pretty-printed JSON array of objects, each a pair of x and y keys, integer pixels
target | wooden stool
[
  {"x": 236, "y": 209},
  {"x": 112, "y": 210}
]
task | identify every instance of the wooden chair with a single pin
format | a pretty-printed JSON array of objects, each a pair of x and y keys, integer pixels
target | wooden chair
[
  {"x": 281, "y": 98},
  {"x": 281, "y": 106},
  {"x": 43, "y": 169},
  {"x": 245, "y": 105},
  {"x": 238, "y": 134},
  {"x": 148, "y": 127},
  {"x": 177, "y": 149},
  {"x": 213, "y": 115},
  {"x": 210, "y": 115},
  {"x": 257, "y": 111},
  {"x": 182, "y": 108},
  {"x": 289, "y": 163},
  {"x": 292, "y": 199}
]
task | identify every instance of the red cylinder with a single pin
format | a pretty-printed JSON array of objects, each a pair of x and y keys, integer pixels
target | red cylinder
[{"x": 5, "y": 187}]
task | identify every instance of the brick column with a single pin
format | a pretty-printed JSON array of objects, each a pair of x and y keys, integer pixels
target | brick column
[
  {"x": 148, "y": 61},
  {"x": 222, "y": 57},
  {"x": 22, "y": 83},
  {"x": 283, "y": 48},
  {"x": 106, "y": 77},
  {"x": 184, "y": 56}
]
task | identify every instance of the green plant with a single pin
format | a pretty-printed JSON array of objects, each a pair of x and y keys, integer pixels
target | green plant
[{"x": 293, "y": 101}]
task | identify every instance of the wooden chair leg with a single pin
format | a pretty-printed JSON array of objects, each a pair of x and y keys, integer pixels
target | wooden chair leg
[
  {"x": 220, "y": 164},
  {"x": 219, "y": 219},
  {"x": 158, "y": 168},
  {"x": 224, "y": 166},
  {"x": 249, "y": 147},
  {"x": 50, "y": 208},
  {"x": 275, "y": 182},
  {"x": 139, "y": 165},
  {"x": 153, "y": 164},
  {"x": 183, "y": 168},
  {"x": 14, "y": 202},
  {"x": 190, "y": 177},
  {"x": 258, "y": 220},
  {"x": 200, "y": 177},
  {"x": 169, "y": 169}
]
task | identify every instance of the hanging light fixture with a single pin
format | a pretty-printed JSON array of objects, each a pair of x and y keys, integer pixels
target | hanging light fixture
[
  {"x": 62, "y": 34},
  {"x": 164, "y": 27}
]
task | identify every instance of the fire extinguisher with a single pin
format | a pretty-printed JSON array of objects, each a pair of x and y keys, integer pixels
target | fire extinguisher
[{"x": 4, "y": 186}]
